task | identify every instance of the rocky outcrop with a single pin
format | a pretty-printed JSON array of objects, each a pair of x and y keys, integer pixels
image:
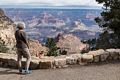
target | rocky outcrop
[
  {"x": 36, "y": 48},
  {"x": 2, "y": 13},
  {"x": 71, "y": 44},
  {"x": 7, "y": 31}
]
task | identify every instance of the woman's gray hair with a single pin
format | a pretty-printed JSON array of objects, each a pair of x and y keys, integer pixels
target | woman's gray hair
[{"x": 20, "y": 25}]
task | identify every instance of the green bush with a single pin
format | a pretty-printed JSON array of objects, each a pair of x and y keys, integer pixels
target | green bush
[
  {"x": 110, "y": 21},
  {"x": 51, "y": 44},
  {"x": 3, "y": 47}
]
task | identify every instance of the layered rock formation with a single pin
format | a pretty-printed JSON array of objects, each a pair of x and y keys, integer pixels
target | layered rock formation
[
  {"x": 71, "y": 44},
  {"x": 36, "y": 48},
  {"x": 7, "y": 31}
]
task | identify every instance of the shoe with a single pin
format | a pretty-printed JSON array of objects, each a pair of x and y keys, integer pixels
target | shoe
[
  {"x": 27, "y": 72},
  {"x": 21, "y": 71}
]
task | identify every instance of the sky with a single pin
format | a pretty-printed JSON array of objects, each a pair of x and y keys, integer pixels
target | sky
[{"x": 50, "y": 2}]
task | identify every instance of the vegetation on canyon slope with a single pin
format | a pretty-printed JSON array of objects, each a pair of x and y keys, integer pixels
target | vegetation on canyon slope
[
  {"x": 3, "y": 47},
  {"x": 110, "y": 21}
]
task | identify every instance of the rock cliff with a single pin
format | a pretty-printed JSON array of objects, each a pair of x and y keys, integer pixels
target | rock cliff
[
  {"x": 71, "y": 44},
  {"x": 2, "y": 12},
  {"x": 36, "y": 48},
  {"x": 7, "y": 31}
]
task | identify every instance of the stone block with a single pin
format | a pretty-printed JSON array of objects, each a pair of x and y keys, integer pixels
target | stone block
[
  {"x": 96, "y": 54},
  {"x": 73, "y": 59},
  {"x": 113, "y": 54},
  {"x": 45, "y": 64},
  {"x": 60, "y": 63},
  {"x": 34, "y": 64},
  {"x": 104, "y": 57},
  {"x": 12, "y": 63},
  {"x": 85, "y": 58},
  {"x": 70, "y": 60}
]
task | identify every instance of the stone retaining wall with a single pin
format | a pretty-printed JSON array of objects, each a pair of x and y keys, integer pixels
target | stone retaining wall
[{"x": 9, "y": 60}]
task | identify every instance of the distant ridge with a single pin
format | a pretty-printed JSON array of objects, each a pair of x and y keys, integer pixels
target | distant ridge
[{"x": 51, "y": 7}]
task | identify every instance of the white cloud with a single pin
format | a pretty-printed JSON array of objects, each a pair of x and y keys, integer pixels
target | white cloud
[{"x": 50, "y": 2}]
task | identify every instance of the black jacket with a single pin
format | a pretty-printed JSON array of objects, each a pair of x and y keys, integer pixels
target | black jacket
[{"x": 21, "y": 39}]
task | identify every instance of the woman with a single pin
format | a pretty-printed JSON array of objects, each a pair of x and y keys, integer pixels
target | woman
[{"x": 22, "y": 48}]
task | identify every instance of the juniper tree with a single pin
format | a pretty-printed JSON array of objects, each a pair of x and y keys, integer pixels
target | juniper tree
[{"x": 51, "y": 44}]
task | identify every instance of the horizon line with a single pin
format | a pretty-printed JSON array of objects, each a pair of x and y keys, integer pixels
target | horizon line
[{"x": 51, "y": 7}]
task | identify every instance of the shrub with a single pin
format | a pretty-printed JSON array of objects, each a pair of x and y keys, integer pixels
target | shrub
[
  {"x": 3, "y": 47},
  {"x": 51, "y": 44}
]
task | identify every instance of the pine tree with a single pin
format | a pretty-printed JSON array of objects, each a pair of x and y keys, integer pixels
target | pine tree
[
  {"x": 51, "y": 44},
  {"x": 110, "y": 17}
]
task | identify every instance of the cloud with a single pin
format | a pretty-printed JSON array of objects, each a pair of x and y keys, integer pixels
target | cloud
[{"x": 50, "y": 2}]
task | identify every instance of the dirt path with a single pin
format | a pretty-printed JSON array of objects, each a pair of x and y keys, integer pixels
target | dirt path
[{"x": 94, "y": 72}]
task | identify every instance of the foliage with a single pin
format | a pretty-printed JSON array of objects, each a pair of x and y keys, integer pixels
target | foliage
[
  {"x": 62, "y": 51},
  {"x": 107, "y": 40},
  {"x": 110, "y": 17},
  {"x": 92, "y": 44},
  {"x": 3, "y": 48},
  {"x": 51, "y": 44}
]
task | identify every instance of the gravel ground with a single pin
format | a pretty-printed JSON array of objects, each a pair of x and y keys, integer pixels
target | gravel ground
[{"x": 109, "y": 71}]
